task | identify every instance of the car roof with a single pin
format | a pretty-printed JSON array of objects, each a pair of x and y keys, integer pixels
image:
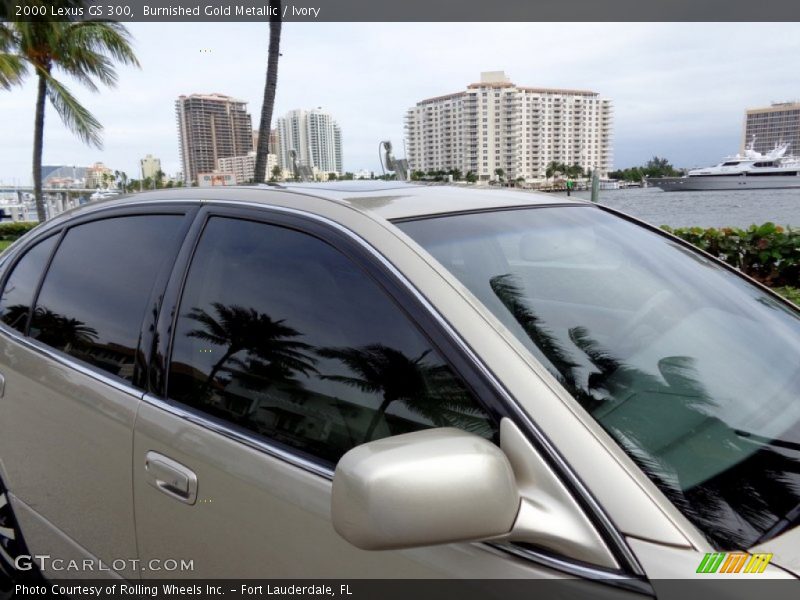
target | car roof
[
  {"x": 399, "y": 200},
  {"x": 387, "y": 199}
]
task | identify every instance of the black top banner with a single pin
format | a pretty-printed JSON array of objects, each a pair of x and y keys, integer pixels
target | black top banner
[{"x": 406, "y": 10}]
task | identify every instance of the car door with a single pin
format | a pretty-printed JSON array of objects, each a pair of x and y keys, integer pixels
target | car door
[
  {"x": 72, "y": 310},
  {"x": 284, "y": 348}
]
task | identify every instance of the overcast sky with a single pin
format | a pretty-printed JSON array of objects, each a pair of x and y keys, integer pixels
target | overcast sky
[{"x": 679, "y": 89}]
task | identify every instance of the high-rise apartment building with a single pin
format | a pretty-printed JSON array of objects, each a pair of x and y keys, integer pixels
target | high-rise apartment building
[
  {"x": 774, "y": 125},
  {"x": 211, "y": 126},
  {"x": 315, "y": 136},
  {"x": 149, "y": 166},
  {"x": 99, "y": 176},
  {"x": 244, "y": 167},
  {"x": 496, "y": 124}
]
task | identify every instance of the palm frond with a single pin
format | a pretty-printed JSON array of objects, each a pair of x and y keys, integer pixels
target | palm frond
[
  {"x": 12, "y": 70},
  {"x": 74, "y": 115},
  {"x": 88, "y": 49},
  {"x": 12, "y": 65},
  {"x": 102, "y": 37},
  {"x": 361, "y": 384}
]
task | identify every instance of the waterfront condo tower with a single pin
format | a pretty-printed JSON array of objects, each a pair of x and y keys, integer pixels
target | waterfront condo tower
[
  {"x": 211, "y": 126},
  {"x": 495, "y": 124},
  {"x": 315, "y": 136},
  {"x": 772, "y": 126}
]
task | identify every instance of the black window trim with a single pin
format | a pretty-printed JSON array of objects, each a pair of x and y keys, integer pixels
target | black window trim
[
  {"x": 19, "y": 256},
  {"x": 185, "y": 209},
  {"x": 448, "y": 342}
]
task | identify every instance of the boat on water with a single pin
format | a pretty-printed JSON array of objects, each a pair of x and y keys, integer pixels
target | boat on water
[
  {"x": 750, "y": 171},
  {"x": 104, "y": 194}
]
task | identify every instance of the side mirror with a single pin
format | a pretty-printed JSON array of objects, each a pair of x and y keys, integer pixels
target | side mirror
[
  {"x": 441, "y": 486},
  {"x": 435, "y": 486}
]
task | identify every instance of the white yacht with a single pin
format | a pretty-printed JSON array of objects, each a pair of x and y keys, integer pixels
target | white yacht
[
  {"x": 104, "y": 194},
  {"x": 751, "y": 170}
]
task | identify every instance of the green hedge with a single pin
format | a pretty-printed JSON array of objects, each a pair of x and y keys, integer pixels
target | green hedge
[
  {"x": 790, "y": 293},
  {"x": 12, "y": 231},
  {"x": 768, "y": 253}
]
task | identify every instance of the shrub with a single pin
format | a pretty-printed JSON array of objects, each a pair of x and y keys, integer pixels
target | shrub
[
  {"x": 790, "y": 293},
  {"x": 768, "y": 253},
  {"x": 12, "y": 231}
]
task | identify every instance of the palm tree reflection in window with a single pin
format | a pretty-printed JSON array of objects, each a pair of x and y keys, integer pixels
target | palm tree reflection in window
[
  {"x": 267, "y": 380},
  {"x": 65, "y": 333},
  {"x": 430, "y": 390},
  {"x": 16, "y": 316},
  {"x": 732, "y": 486},
  {"x": 274, "y": 355}
]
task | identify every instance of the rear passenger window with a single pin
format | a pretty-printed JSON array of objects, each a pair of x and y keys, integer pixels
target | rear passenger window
[
  {"x": 96, "y": 290},
  {"x": 280, "y": 333},
  {"x": 17, "y": 298}
]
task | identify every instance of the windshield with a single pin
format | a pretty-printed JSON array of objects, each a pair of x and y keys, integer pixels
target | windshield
[{"x": 692, "y": 370}]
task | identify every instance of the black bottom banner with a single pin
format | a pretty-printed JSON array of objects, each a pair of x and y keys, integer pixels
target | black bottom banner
[{"x": 405, "y": 589}]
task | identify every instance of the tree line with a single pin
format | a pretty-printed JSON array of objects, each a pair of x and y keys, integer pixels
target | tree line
[{"x": 655, "y": 167}]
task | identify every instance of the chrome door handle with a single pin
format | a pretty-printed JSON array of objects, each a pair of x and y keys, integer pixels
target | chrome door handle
[{"x": 171, "y": 477}]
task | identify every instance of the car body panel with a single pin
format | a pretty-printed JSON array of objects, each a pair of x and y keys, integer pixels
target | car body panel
[
  {"x": 682, "y": 564},
  {"x": 235, "y": 480},
  {"x": 81, "y": 485},
  {"x": 785, "y": 548},
  {"x": 45, "y": 539}
]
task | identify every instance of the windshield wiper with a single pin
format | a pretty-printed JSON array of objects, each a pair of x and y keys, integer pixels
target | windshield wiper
[
  {"x": 768, "y": 441},
  {"x": 791, "y": 519}
]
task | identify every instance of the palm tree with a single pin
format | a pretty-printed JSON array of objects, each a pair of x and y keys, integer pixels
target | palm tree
[
  {"x": 553, "y": 168},
  {"x": 575, "y": 171},
  {"x": 269, "y": 91},
  {"x": 84, "y": 50}
]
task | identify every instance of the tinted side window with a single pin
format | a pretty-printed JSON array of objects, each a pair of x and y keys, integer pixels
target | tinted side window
[
  {"x": 95, "y": 293},
  {"x": 282, "y": 334},
  {"x": 17, "y": 297}
]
